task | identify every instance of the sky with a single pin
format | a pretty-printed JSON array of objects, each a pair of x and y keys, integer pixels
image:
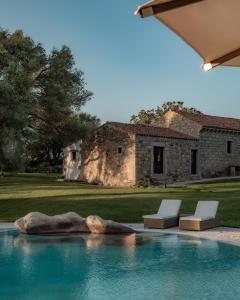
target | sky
[{"x": 129, "y": 63}]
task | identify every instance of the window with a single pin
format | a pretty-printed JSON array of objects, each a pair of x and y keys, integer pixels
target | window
[
  {"x": 158, "y": 160},
  {"x": 119, "y": 150},
  {"x": 74, "y": 155},
  {"x": 194, "y": 156},
  {"x": 229, "y": 146}
]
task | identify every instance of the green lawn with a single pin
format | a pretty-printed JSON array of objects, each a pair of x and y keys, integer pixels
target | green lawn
[{"x": 36, "y": 192}]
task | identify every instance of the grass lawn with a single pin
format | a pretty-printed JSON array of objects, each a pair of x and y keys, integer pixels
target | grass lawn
[{"x": 40, "y": 192}]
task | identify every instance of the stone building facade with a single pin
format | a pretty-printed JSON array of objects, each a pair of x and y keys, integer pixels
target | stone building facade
[
  {"x": 182, "y": 146},
  {"x": 109, "y": 157},
  {"x": 176, "y": 159},
  {"x": 215, "y": 157},
  {"x": 219, "y": 141}
]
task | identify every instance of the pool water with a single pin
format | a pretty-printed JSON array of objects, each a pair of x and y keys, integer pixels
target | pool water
[{"x": 98, "y": 267}]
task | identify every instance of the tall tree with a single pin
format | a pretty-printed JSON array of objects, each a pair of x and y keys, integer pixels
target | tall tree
[
  {"x": 41, "y": 97},
  {"x": 20, "y": 59},
  {"x": 62, "y": 94},
  {"x": 152, "y": 116}
]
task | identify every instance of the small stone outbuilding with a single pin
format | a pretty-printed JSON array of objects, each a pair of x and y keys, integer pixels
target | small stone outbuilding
[{"x": 182, "y": 146}]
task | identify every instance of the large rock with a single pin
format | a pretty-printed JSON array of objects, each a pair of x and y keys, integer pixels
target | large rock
[
  {"x": 36, "y": 222},
  {"x": 98, "y": 225}
]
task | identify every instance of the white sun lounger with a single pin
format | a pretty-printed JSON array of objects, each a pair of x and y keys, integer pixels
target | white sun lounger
[
  {"x": 166, "y": 217},
  {"x": 204, "y": 217}
]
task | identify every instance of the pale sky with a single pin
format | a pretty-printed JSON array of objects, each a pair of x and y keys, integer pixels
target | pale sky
[{"x": 129, "y": 63}]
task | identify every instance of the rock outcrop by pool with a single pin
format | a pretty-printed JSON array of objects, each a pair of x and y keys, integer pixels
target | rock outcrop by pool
[
  {"x": 99, "y": 225},
  {"x": 38, "y": 223}
]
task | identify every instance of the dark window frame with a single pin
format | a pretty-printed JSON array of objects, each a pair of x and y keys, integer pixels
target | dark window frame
[
  {"x": 158, "y": 160},
  {"x": 119, "y": 150},
  {"x": 74, "y": 155},
  {"x": 194, "y": 161},
  {"x": 229, "y": 147}
]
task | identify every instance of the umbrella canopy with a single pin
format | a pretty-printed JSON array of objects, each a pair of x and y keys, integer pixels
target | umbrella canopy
[{"x": 210, "y": 27}]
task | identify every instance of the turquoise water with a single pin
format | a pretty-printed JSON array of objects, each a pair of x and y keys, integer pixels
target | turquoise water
[{"x": 141, "y": 267}]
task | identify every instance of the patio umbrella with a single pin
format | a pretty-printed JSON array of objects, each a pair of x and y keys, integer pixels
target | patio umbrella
[{"x": 210, "y": 27}]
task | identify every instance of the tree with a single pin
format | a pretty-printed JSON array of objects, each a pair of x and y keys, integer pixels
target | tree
[
  {"x": 20, "y": 58},
  {"x": 152, "y": 116},
  {"x": 48, "y": 145},
  {"x": 41, "y": 97},
  {"x": 58, "y": 120}
]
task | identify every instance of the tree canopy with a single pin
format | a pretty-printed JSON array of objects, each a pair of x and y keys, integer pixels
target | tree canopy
[
  {"x": 152, "y": 116},
  {"x": 41, "y": 97}
]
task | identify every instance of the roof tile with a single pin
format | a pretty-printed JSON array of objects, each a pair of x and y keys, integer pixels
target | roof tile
[
  {"x": 150, "y": 130},
  {"x": 212, "y": 121}
]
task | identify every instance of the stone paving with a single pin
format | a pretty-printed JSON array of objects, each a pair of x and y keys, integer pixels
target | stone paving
[{"x": 225, "y": 234}]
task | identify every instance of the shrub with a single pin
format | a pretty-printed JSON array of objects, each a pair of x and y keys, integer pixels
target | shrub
[{"x": 142, "y": 184}]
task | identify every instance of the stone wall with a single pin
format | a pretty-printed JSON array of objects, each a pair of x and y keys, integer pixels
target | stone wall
[
  {"x": 214, "y": 159},
  {"x": 178, "y": 122},
  {"x": 177, "y": 166},
  {"x": 103, "y": 164}
]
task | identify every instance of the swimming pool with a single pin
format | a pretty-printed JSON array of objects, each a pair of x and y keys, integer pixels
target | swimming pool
[{"x": 142, "y": 266}]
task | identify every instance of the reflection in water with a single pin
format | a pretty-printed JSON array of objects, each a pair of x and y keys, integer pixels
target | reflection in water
[
  {"x": 94, "y": 240},
  {"x": 189, "y": 240},
  {"x": 122, "y": 240},
  {"x": 104, "y": 267},
  {"x": 24, "y": 239},
  {"x": 38, "y": 243},
  {"x": 128, "y": 242},
  {"x": 29, "y": 244},
  {"x": 90, "y": 240}
]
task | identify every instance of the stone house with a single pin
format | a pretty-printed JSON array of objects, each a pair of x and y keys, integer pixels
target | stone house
[{"x": 181, "y": 146}]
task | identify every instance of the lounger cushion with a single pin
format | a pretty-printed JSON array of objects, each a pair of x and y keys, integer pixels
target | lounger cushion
[
  {"x": 169, "y": 207},
  {"x": 206, "y": 209},
  {"x": 158, "y": 216},
  {"x": 193, "y": 218}
]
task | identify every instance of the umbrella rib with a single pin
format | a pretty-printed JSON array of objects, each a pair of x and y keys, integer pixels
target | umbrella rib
[
  {"x": 221, "y": 60},
  {"x": 163, "y": 7}
]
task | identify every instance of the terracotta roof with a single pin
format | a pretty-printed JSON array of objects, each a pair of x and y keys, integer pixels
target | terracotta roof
[
  {"x": 150, "y": 130},
  {"x": 212, "y": 121}
]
